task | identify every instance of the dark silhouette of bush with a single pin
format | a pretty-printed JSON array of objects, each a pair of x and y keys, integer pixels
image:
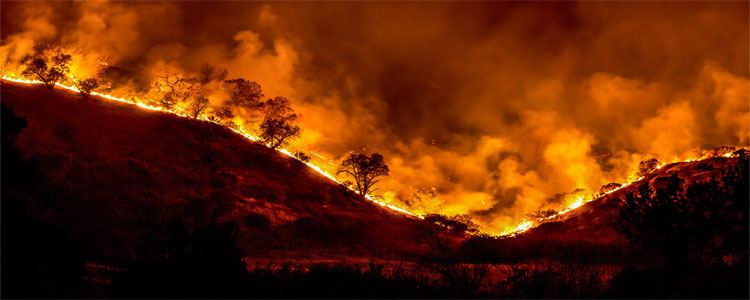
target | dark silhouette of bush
[
  {"x": 204, "y": 262},
  {"x": 39, "y": 260},
  {"x": 457, "y": 224},
  {"x": 689, "y": 233},
  {"x": 256, "y": 221}
]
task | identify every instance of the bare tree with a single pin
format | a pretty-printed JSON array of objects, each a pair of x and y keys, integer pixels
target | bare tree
[
  {"x": 197, "y": 106},
  {"x": 48, "y": 67},
  {"x": 210, "y": 73},
  {"x": 364, "y": 170},
  {"x": 175, "y": 89},
  {"x": 86, "y": 86}
]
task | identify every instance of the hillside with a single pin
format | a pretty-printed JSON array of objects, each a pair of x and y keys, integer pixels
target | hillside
[
  {"x": 113, "y": 172},
  {"x": 592, "y": 222}
]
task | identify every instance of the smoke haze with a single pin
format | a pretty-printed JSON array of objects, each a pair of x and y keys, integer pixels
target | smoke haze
[{"x": 504, "y": 107}]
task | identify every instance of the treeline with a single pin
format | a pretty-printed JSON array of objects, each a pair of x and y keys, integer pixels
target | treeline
[{"x": 272, "y": 119}]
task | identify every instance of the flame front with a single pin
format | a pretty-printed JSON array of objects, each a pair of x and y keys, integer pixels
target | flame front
[
  {"x": 522, "y": 226},
  {"x": 140, "y": 103}
]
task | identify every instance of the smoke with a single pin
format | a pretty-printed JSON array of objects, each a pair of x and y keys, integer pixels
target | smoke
[{"x": 505, "y": 108}]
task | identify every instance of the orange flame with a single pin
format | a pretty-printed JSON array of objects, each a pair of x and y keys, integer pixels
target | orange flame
[{"x": 140, "y": 103}]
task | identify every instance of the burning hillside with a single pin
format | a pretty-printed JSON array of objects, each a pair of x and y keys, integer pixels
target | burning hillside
[
  {"x": 121, "y": 163},
  {"x": 518, "y": 120},
  {"x": 512, "y": 150},
  {"x": 593, "y": 221}
]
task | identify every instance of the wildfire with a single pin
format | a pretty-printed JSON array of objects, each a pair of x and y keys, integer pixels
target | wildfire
[
  {"x": 140, "y": 103},
  {"x": 521, "y": 227},
  {"x": 525, "y": 225}
]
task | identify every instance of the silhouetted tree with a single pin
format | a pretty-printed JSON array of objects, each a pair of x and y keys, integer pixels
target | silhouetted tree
[
  {"x": 210, "y": 73},
  {"x": 301, "y": 156},
  {"x": 542, "y": 214},
  {"x": 608, "y": 187},
  {"x": 682, "y": 225},
  {"x": 197, "y": 106},
  {"x": 693, "y": 241},
  {"x": 364, "y": 170},
  {"x": 741, "y": 154},
  {"x": 279, "y": 108},
  {"x": 275, "y": 132},
  {"x": 244, "y": 93},
  {"x": 425, "y": 201},
  {"x": 458, "y": 224},
  {"x": 86, "y": 86},
  {"x": 224, "y": 115},
  {"x": 175, "y": 89},
  {"x": 48, "y": 67},
  {"x": 277, "y": 126},
  {"x": 647, "y": 166}
]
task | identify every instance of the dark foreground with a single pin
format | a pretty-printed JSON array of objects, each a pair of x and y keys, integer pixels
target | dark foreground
[{"x": 63, "y": 236}]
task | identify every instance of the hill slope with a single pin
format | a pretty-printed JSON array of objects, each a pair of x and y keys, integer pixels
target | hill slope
[
  {"x": 113, "y": 171},
  {"x": 593, "y": 221}
]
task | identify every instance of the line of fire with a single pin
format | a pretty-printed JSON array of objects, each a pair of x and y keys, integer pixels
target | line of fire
[{"x": 375, "y": 150}]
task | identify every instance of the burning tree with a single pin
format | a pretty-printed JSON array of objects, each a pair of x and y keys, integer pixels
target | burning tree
[
  {"x": 48, "y": 67},
  {"x": 244, "y": 93},
  {"x": 608, "y": 188},
  {"x": 301, "y": 156},
  {"x": 275, "y": 132},
  {"x": 86, "y": 86},
  {"x": 425, "y": 201},
  {"x": 175, "y": 89},
  {"x": 225, "y": 116},
  {"x": 278, "y": 108},
  {"x": 542, "y": 214},
  {"x": 364, "y": 170},
  {"x": 278, "y": 122},
  {"x": 197, "y": 106},
  {"x": 647, "y": 166}
]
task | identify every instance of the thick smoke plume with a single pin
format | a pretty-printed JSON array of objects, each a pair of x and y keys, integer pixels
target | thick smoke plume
[{"x": 504, "y": 108}]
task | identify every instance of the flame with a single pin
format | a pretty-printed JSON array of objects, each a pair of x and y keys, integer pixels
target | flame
[
  {"x": 581, "y": 200},
  {"x": 140, "y": 103},
  {"x": 523, "y": 226}
]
